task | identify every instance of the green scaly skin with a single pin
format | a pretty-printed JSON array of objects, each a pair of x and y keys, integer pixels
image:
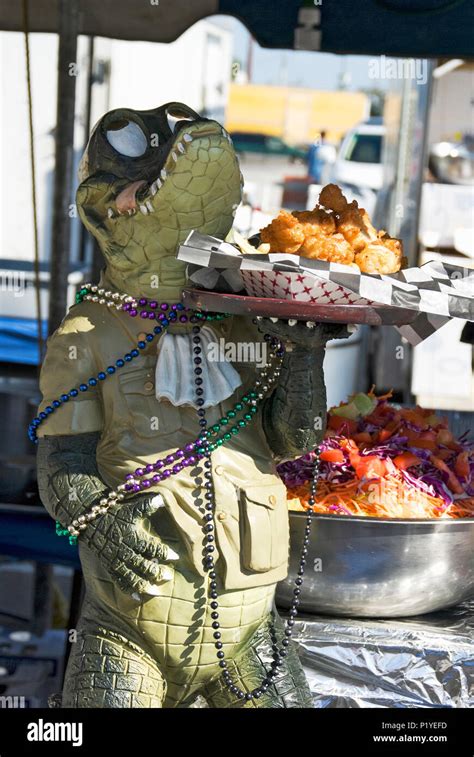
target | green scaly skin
[
  {"x": 190, "y": 179},
  {"x": 201, "y": 189}
]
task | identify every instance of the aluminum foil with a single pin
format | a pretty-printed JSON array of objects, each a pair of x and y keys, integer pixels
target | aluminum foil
[{"x": 424, "y": 661}]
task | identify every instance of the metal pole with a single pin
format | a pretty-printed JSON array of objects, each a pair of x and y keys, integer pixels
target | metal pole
[
  {"x": 61, "y": 238},
  {"x": 87, "y": 127},
  {"x": 250, "y": 60}
]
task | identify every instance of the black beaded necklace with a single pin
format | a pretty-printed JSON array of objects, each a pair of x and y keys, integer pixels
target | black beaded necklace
[{"x": 208, "y": 562}]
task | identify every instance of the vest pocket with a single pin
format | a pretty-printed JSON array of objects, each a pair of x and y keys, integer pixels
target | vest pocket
[
  {"x": 147, "y": 416},
  {"x": 264, "y": 528}
]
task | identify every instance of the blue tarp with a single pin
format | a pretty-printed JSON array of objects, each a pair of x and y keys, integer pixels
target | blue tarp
[
  {"x": 19, "y": 340},
  {"x": 31, "y": 536}
]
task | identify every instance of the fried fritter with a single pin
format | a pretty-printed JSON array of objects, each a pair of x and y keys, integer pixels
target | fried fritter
[
  {"x": 334, "y": 249},
  {"x": 316, "y": 222},
  {"x": 283, "y": 234},
  {"x": 380, "y": 257},
  {"x": 352, "y": 221},
  {"x": 331, "y": 197}
]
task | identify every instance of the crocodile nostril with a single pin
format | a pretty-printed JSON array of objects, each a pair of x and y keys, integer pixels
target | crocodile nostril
[{"x": 206, "y": 132}]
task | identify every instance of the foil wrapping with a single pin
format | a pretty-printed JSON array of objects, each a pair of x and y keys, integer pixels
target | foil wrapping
[{"x": 424, "y": 661}]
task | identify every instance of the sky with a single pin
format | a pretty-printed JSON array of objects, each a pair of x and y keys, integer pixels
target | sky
[{"x": 297, "y": 68}]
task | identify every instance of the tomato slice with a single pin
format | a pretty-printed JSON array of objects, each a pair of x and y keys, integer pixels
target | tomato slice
[
  {"x": 389, "y": 430},
  {"x": 370, "y": 466},
  {"x": 375, "y": 418},
  {"x": 416, "y": 440},
  {"x": 461, "y": 466},
  {"x": 424, "y": 444},
  {"x": 453, "y": 482},
  {"x": 342, "y": 425},
  {"x": 332, "y": 455},
  {"x": 351, "y": 447},
  {"x": 363, "y": 437},
  {"x": 413, "y": 415},
  {"x": 406, "y": 460}
]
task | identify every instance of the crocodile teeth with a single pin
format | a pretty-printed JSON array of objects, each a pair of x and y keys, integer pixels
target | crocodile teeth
[
  {"x": 187, "y": 137},
  {"x": 159, "y": 183},
  {"x": 110, "y": 213},
  {"x": 163, "y": 174},
  {"x": 310, "y": 324},
  {"x": 180, "y": 147},
  {"x": 154, "y": 188},
  {"x": 149, "y": 206},
  {"x": 292, "y": 322},
  {"x": 174, "y": 156},
  {"x": 144, "y": 210},
  {"x": 274, "y": 320}
]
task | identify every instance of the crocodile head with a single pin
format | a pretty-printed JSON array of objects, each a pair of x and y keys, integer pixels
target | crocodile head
[{"x": 147, "y": 179}]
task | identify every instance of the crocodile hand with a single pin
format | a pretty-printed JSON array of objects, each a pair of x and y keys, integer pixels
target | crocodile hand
[
  {"x": 70, "y": 485},
  {"x": 294, "y": 417},
  {"x": 135, "y": 558}
]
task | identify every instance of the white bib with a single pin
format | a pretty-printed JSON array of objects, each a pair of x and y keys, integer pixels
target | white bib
[{"x": 175, "y": 370}]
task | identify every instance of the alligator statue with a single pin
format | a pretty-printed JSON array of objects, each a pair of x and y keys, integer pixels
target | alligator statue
[{"x": 118, "y": 469}]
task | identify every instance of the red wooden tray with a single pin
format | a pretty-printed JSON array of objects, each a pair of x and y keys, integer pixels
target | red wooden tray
[{"x": 372, "y": 315}]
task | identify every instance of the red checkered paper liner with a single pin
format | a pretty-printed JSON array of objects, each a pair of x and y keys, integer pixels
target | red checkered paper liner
[{"x": 299, "y": 286}]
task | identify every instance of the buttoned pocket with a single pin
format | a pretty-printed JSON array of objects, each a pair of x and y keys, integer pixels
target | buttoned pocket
[
  {"x": 147, "y": 415},
  {"x": 264, "y": 528}
]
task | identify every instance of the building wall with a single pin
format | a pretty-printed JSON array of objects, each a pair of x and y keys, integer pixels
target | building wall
[
  {"x": 452, "y": 106},
  {"x": 16, "y": 224},
  {"x": 195, "y": 69},
  {"x": 297, "y": 115}
]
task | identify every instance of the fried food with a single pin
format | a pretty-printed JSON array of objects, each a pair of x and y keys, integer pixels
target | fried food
[
  {"x": 334, "y": 249},
  {"x": 380, "y": 257},
  {"x": 316, "y": 222},
  {"x": 336, "y": 231},
  {"x": 353, "y": 222},
  {"x": 283, "y": 234}
]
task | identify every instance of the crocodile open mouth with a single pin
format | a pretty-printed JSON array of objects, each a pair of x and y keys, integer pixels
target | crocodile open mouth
[
  {"x": 147, "y": 183},
  {"x": 199, "y": 153}
]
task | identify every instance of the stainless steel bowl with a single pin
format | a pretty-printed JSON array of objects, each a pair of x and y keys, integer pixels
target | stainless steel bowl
[{"x": 372, "y": 567}]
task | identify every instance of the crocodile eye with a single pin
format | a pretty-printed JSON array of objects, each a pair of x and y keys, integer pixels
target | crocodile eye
[
  {"x": 126, "y": 138},
  {"x": 175, "y": 114}
]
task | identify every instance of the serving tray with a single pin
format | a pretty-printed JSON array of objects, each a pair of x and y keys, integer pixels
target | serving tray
[{"x": 372, "y": 315}]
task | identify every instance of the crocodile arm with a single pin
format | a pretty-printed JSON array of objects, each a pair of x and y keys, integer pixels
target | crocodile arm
[
  {"x": 68, "y": 478},
  {"x": 294, "y": 417},
  {"x": 70, "y": 484}
]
